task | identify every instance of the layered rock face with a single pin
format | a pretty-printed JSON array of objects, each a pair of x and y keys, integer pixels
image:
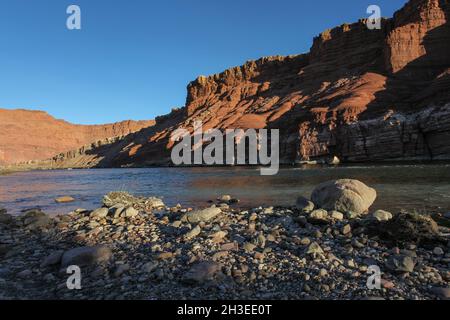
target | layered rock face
[
  {"x": 35, "y": 135},
  {"x": 359, "y": 94}
]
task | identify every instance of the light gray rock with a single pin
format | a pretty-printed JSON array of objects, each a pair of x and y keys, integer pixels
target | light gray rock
[
  {"x": 382, "y": 216},
  {"x": 99, "y": 213},
  {"x": 344, "y": 195},
  {"x": 202, "y": 215},
  {"x": 438, "y": 251},
  {"x": 85, "y": 256},
  {"x": 193, "y": 233}
]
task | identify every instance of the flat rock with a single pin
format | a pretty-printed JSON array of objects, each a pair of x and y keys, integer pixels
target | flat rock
[
  {"x": 65, "y": 199},
  {"x": 202, "y": 215}
]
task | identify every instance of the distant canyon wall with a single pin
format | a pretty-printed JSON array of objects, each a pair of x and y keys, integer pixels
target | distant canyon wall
[{"x": 35, "y": 135}]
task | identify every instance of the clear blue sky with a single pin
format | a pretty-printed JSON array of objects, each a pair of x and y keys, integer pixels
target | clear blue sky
[{"x": 133, "y": 59}]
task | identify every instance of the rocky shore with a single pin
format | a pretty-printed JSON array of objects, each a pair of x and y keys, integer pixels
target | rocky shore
[{"x": 137, "y": 248}]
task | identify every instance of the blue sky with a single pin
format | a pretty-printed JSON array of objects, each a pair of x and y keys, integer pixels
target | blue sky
[{"x": 133, "y": 59}]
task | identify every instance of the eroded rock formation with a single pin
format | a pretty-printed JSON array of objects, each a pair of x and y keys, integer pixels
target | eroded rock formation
[{"x": 359, "y": 94}]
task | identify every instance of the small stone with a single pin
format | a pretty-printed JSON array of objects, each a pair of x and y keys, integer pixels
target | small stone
[
  {"x": 165, "y": 256},
  {"x": 347, "y": 229},
  {"x": 319, "y": 215},
  {"x": 336, "y": 215},
  {"x": 225, "y": 198},
  {"x": 232, "y": 246},
  {"x": 131, "y": 212},
  {"x": 249, "y": 247},
  {"x": 305, "y": 241},
  {"x": 218, "y": 236},
  {"x": 193, "y": 233},
  {"x": 177, "y": 224},
  {"x": 150, "y": 267},
  {"x": 323, "y": 273},
  {"x": 259, "y": 256},
  {"x": 438, "y": 251},
  {"x": 382, "y": 216},
  {"x": 314, "y": 248},
  {"x": 387, "y": 284},
  {"x": 121, "y": 269}
]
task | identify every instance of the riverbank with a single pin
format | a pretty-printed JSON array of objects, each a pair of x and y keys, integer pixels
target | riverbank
[{"x": 136, "y": 248}]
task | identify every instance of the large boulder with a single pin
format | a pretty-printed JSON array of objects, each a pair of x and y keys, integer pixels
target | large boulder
[
  {"x": 86, "y": 256},
  {"x": 344, "y": 195}
]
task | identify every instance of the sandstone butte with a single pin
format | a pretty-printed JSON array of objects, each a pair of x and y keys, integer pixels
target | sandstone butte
[{"x": 359, "y": 94}]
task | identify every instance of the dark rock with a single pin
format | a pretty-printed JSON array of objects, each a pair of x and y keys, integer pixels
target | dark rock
[{"x": 85, "y": 256}]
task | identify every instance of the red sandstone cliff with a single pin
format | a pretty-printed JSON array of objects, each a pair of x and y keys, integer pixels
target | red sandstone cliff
[
  {"x": 359, "y": 94},
  {"x": 35, "y": 135}
]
